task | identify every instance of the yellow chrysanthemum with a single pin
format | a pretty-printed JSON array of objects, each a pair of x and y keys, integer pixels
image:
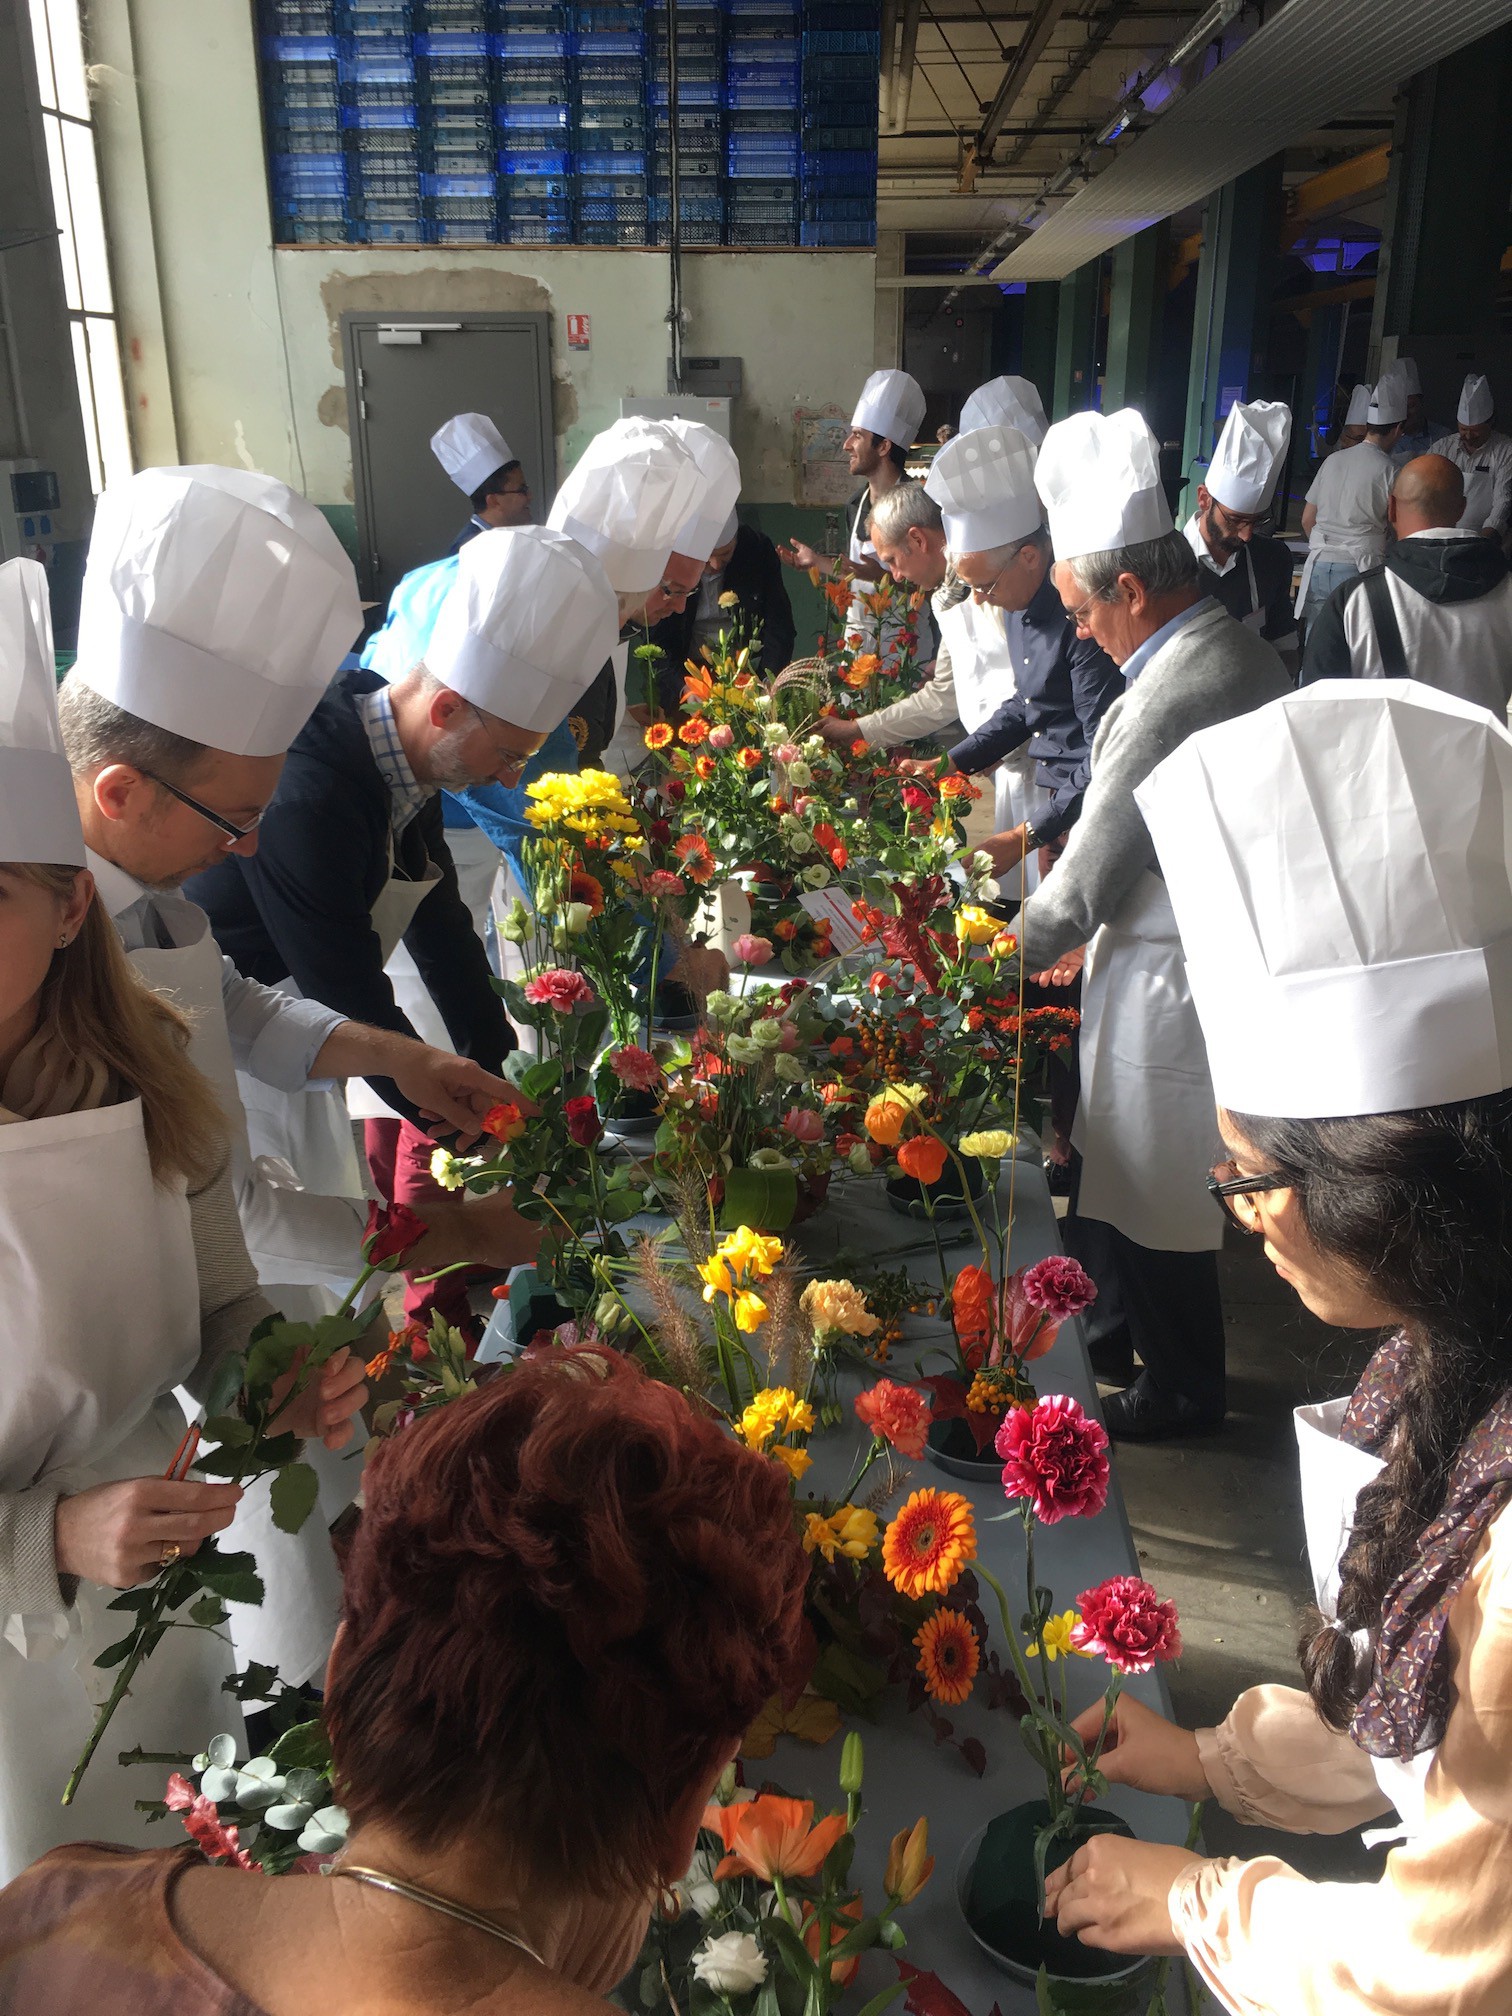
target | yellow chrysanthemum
[{"x": 1055, "y": 1639}]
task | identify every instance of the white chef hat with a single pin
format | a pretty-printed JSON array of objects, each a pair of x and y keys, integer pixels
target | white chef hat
[
  {"x": 1246, "y": 464},
  {"x": 1340, "y": 865},
  {"x": 892, "y": 405},
  {"x": 1407, "y": 370},
  {"x": 983, "y": 483},
  {"x": 217, "y": 604},
  {"x": 39, "y": 819},
  {"x": 525, "y": 626},
  {"x": 728, "y": 530},
  {"x": 470, "y": 449},
  {"x": 1099, "y": 476},
  {"x": 1006, "y": 402},
  {"x": 1475, "y": 402},
  {"x": 1388, "y": 403},
  {"x": 720, "y": 468},
  {"x": 1359, "y": 406},
  {"x": 634, "y": 486}
]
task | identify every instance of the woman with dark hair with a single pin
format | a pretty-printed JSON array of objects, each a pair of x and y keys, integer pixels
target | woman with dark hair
[
  {"x": 1341, "y": 868},
  {"x": 567, "y": 1597}
]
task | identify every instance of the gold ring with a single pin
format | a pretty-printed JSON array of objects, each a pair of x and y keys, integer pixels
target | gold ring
[{"x": 170, "y": 1554}]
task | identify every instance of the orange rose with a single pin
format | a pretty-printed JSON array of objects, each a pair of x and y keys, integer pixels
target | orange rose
[
  {"x": 748, "y": 758},
  {"x": 704, "y": 768},
  {"x": 923, "y": 1156}
]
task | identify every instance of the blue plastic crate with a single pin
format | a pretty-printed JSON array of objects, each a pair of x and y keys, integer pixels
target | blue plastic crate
[
  {"x": 297, "y": 17},
  {"x": 533, "y": 117},
  {"x": 475, "y": 187},
  {"x": 462, "y": 231},
  {"x": 819, "y": 68},
  {"x": 783, "y": 78},
  {"x": 454, "y": 17},
  {"x": 438, "y": 159},
  {"x": 455, "y": 49},
  {"x": 294, "y": 52},
  {"x": 841, "y": 16},
  {"x": 753, "y": 236},
  {"x": 316, "y": 86},
  {"x": 593, "y": 121},
  {"x": 621, "y": 187},
  {"x": 819, "y": 140},
  {"x": 597, "y": 89},
  {"x": 362, "y": 21},
  {"x": 690, "y": 90},
  {"x": 735, "y": 8},
  {"x": 290, "y": 230},
  {"x": 304, "y": 129},
  {"x": 368, "y": 72},
  {"x": 311, "y": 205},
  {"x": 839, "y": 209},
  {"x": 611, "y": 209},
  {"x": 839, "y": 235},
  {"x": 546, "y": 161},
  {"x": 388, "y": 231},
  {"x": 844, "y": 161},
  {"x": 693, "y": 206},
  {"x": 779, "y": 189},
  {"x": 535, "y": 231},
  {"x": 691, "y": 141},
  {"x": 392, "y": 118},
  {"x": 309, "y": 174},
  {"x": 761, "y": 154},
  {"x": 533, "y": 84},
  {"x": 543, "y": 209},
  {"x": 842, "y": 42},
  {"x": 742, "y": 212},
  {"x": 690, "y": 119},
  {"x": 761, "y": 45},
  {"x": 530, "y": 45},
  {"x": 611, "y": 234}
]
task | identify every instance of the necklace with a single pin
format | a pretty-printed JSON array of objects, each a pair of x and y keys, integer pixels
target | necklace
[{"x": 380, "y": 1880}]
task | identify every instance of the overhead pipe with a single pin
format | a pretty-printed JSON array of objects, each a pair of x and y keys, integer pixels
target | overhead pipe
[
  {"x": 1036, "y": 37},
  {"x": 889, "y": 67},
  {"x": 903, "y": 79}
]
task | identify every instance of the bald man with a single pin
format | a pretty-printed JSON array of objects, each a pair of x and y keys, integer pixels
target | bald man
[{"x": 1439, "y": 609}]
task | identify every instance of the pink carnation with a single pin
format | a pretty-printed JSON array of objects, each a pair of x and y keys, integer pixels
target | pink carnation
[
  {"x": 1060, "y": 1286},
  {"x": 1056, "y": 1458},
  {"x": 660, "y": 882},
  {"x": 635, "y": 1067},
  {"x": 749, "y": 950},
  {"x": 722, "y": 737},
  {"x": 803, "y": 1125},
  {"x": 561, "y": 989},
  {"x": 1125, "y": 1621}
]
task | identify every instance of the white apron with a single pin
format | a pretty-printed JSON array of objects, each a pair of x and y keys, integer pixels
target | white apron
[
  {"x": 293, "y": 1626},
  {"x": 97, "y": 1274},
  {"x": 1146, "y": 1125},
  {"x": 392, "y": 914},
  {"x": 982, "y": 666},
  {"x": 1364, "y": 554},
  {"x": 1480, "y": 495},
  {"x": 1333, "y": 1475}
]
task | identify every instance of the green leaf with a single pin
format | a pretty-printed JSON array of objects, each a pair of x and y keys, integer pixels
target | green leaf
[
  {"x": 114, "y": 1654},
  {"x": 795, "y": 1955},
  {"x": 229, "y": 1429},
  {"x": 304, "y": 1747},
  {"x": 208, "y": 1612},
  {"x": 257, "y": 1683},
  {"x": 233, "y": 1576},
  {"x": 220, "y": 1462},
  {"x": 225, "y": 1384},
  {"x": 764, "y": 1199},
  {"x": 879, "y": 2002},
  {"x": 292, "y": 1496}
]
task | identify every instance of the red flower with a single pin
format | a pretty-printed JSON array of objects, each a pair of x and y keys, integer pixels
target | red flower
[
  {"x": 504, "y": 1122},
  {"x": 971, "y": 1305},
  {"x": 898, "y": 1414},
  {"x": 916, "y": 798},
  {"x": 676, "y": 790},
  {"x": 202, "y": 1822},
  {"x": 659, "y": 832},
  {"x": 1060, "y": 1286},
  {"x": 697, "y": 858},
  {"x": 583, "y": 1123},
  {"x": 390, "y": 1234},
  {"x": 693, "y": 732},
  {"x": 1125, "y": 1621},
  {"x": 559, "y": 988},
  {"x": 923, "y": 1156},
  {"x": 1056, "y": 1458},
  {"x": 840, "y": 855},
  {"x": 585, "y": 888}
]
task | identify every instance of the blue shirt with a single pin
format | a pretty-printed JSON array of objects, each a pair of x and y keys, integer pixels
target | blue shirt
[{"x": 1137, "y": 660}]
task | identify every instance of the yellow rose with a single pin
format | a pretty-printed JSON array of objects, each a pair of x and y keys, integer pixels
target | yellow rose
[{"x": 974, "y": 926}]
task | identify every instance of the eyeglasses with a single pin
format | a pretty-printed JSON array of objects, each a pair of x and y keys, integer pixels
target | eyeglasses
[
  {"x": 233, "y": 833},
  {"x": 985, "y": 595},
  {"x": 1079, "y": 616},
  {"x": 1227, "y": 1185},
  {"x": 1234, "y": 524}
]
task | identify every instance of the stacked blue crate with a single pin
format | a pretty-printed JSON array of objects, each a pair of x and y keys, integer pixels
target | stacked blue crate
[
  {"x": 762, "y": 75},
  {"x": 454, "y": 71},
  {"x": 611, "y": 134},
  {"x": 380, "y": 120},
  {"x": 532, "y": 101},
  {"x": 700, "y": 139},
  {"x": 307, "y": 170},
  {"x": 841, "y": 59}
]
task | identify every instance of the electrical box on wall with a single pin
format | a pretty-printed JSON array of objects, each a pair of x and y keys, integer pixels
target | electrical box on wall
[
  {"x": 29, "y": 502},
  {"x": 713, "y": 413},
  {"x": 714, "y": 377}
]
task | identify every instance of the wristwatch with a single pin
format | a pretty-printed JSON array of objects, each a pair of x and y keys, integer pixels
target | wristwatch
[{"x": 1031, "y": 839}]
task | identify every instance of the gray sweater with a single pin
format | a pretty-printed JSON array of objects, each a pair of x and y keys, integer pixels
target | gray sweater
[{"x": 1211, "y": 670}]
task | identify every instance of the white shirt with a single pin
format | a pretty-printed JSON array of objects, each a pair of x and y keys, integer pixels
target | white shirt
[
  {"x": 1487, "y": 469},
  {"x": 1350, "y": 494},
  {"x": 273, "y": 1036}
]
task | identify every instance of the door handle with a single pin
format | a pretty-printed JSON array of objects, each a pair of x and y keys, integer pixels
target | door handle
[{"x": 396, "y": 334}]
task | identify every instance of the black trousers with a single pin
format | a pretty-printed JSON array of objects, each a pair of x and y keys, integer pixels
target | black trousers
[{"x": 1164, "y": 1305}]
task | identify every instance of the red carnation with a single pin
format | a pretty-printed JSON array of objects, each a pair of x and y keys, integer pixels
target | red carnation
[
  {"x": 1060, "y": 1286},
  {"x": 896, "y": 1414},
  {"x": 390, "y": 1234},
  {"x": 1125, "y": 1621},
  {"x": 583, "y": 1123},
  {"x": 1056, "y": 1458},
  {"x": 560, "y": 988}
]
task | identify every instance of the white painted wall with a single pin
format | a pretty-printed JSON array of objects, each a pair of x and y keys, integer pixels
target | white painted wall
[{"x": 233, "y": 348}]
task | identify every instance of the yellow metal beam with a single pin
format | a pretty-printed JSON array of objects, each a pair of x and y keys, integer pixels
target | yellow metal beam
[{"x": 1339, "y": 187}]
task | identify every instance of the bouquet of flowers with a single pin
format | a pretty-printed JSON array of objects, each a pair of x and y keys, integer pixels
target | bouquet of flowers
[{"x": 998, "y": 1328}]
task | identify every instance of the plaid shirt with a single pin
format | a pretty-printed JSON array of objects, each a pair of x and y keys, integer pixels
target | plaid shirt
[{"x": 406, "y": 795}]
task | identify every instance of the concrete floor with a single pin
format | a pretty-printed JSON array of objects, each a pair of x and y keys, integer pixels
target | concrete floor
[{"x": 1217, "y": 1521}]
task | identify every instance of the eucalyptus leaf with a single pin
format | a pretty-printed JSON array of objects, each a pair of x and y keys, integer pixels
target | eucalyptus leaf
[
  {"x": 288, "y": 1819},
  {"x": 221, "y": 1750}
]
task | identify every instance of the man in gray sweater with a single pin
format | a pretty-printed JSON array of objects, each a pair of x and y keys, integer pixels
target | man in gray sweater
[{"x": 1142, "y": 1222}]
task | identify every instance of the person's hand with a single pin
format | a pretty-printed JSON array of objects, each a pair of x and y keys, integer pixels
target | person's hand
[
  {"x": 453, "y": 1094},
  {"x": 838, "y": 730},
  {"x": 796, "y": 554},
  {"x": 114, "y": 1534},
  {"x": 493, "y": 1234},
  {"x": 1064, "y": 971},
  {"x": 1005, "y": 850},
  {"x": 1113, "y": 1894},
  {"x": 324, "y": 1410},
  {"x": 1143, "y": 1750}
]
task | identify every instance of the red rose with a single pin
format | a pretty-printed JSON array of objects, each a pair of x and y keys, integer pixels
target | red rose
[
  {"x": 676, "y": 790},
  {"x": 1125, "y": 1621},
  {"x": 1056, "y": 1458},
  {"x": 916, "y": 798},
  {"x": 504, "y": 1122},
  {"x": 660, "y": 832},
  {"x": 559, "y": 988},
  {"x": 390, "y": 1234},
  {"x": 583, "y": 1123},
  {"x": 1060, "y": 1286},
  {"x": 896, "y": 1414}
]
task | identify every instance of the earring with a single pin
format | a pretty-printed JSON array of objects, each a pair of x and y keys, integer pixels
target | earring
[{"x": 64, "y": 942}]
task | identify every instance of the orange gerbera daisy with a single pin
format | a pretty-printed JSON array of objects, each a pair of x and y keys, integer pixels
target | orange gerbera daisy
[
  {"x": 585, "y": 888},
  {"x": 694, "y": 731},
  {"x": 659, "y": 734},
  {"x": 929, "y": 1543},
  {"x": 696, "y": 856},
  {"x": 771, "y": 1836},
  {"x": 949, "y": 1655}
]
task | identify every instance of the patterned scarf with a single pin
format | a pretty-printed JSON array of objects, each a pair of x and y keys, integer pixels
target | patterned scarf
[
  {"x": 46, "y": 1079},
  {"x": 1407, "y": 1704}
]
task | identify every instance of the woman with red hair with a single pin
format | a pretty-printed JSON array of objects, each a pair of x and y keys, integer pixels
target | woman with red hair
[{"x": 566, "y": 1600}]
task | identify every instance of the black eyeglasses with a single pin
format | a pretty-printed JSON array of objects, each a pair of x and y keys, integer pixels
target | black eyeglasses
[
  {"x": 1226, "y": 1183},
  {"x": 232, "y": 833}
]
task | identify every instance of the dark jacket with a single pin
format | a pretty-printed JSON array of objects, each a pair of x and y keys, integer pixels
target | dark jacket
[
  {"x": 299, "y": 907},
  {"x": 1065, "y": 686},
  {"x": 754, "y": 575},
  {"x": 1444, "y": 636},
  {"x": 1272, "y": 562},
  {"x": 469, "y": 531}
]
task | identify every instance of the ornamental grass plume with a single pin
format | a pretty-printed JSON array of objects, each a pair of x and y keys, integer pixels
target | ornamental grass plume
[{"x": 678, "y": 1336}]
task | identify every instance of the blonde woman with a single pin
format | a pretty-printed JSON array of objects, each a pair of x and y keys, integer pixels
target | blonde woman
[{"x": 122, "y": 1276}]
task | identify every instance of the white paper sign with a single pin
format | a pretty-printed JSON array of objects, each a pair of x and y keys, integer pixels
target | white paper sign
[{"x": 845, "y": 933}]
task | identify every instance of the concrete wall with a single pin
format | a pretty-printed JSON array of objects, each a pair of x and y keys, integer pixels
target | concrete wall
[{"x": 233, "y": 348}]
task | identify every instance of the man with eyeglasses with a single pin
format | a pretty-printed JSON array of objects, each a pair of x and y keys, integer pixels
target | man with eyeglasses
[
  {"x": 486, "y": 470},
  {"x": 1243, "y": 568}
]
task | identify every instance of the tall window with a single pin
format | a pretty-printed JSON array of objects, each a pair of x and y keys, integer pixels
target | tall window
[{"x": 68, "y": 129}]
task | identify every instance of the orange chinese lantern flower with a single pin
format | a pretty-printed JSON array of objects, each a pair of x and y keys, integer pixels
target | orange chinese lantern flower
[{"x": 923, "y": 1156}]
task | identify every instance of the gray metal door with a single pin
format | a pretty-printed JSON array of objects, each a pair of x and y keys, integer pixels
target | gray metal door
[{"x": 405, "y": 374}]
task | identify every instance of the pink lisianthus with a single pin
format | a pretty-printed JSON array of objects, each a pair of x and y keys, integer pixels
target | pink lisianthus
[
  {"x": 560, "y": 988},
  {"x": 661, "y": 882},
  {"x": 1060, "y": 1286},
  {"x": 1125, "y": 1622},
  {"x": 749, "y": 950},
  {"x": 635, "y": 1067},
  {"x": 1055, "y": 1458},
  {"x": 802, "y": 807},
  {"x": 803, "y": 1125},
  {"x": 722, "y": 737}
]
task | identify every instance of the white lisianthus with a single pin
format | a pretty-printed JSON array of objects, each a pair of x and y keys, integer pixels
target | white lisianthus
[
  {"x": 815, "y": 876},
  {"x": 860, "y": 1160},
  {"x": 795, "y": 835},
  {"x": 816, "y": 745},
  {"x": 773, "y": 733},
  {"x": 577, "y": 917},
  {"x": 799, "y": 775},
  {"x": 742, "y": 1050},
  {"x": 767, "y": 1033},
  {"x": 722, "y": 1007},
  {"x": 789, "y": 1069},
  {"x": 732, "y": 1964},
  {"x": 762, "y": 702},
  {"x": 698, "y": 1892},
  {"x": 446, "y": 1170}
]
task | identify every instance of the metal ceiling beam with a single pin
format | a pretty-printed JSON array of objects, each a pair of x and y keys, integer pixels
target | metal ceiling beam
[
  {"x": 889, "y": 64},
  {"x": 903, "y": 79},
  {"x": 1035, "y": 40}
]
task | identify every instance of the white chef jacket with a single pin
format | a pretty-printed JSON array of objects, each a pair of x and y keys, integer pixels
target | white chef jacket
[
  {"x": 1493, "y": 462},
  {"x": 1350, "y": 493}
]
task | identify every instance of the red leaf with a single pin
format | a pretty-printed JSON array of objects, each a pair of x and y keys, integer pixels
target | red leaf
[{"x": 927, "y": 1994}]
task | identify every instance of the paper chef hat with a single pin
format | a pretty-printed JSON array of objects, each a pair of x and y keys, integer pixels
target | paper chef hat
[
  {"x": 470, "y": 449},
  {"x": 634, "y": 486},
  {"x": 892, "y": 405},
  {"x": 525, "y": 627},
  {"x": 1006, "y": 402},
  {"x": 1388, "y": 403},
  {"x": 1359, "y": 406},
  {"x": 1340, "y": 865},
  {"x": 1247, "y": 461},
  {"x": 720, "y": 468},
  {"x": 217, "y": 604},
  {"x": 1099, "y": 476},
  {"x": 1406, "y": 369},
  {"x": 1475, "y": 402},
  {"x": 39, "y": 820},
  {"x": 983, "y": 483}
]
